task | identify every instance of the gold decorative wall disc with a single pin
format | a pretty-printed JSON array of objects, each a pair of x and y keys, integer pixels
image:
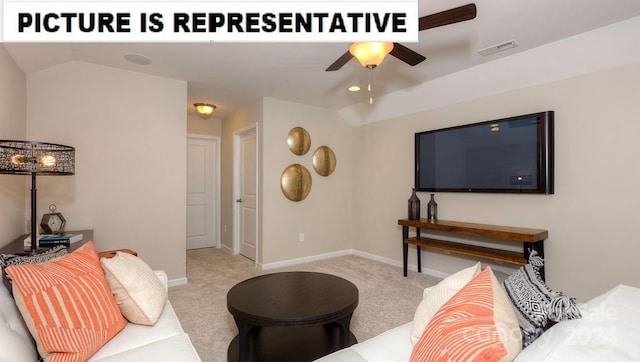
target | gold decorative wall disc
[
  {"x": 324, "y": 161},
  {"x": 299, "y": 141},
  {"x": 295, "y": 182}
]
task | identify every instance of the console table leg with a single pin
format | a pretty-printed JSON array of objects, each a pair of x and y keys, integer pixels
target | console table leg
[
  {"x": 405, "y": 248},
  {"x": 419, "y": 256}
]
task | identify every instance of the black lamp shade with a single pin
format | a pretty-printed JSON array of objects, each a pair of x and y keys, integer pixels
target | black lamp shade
[{"x": 25, "y": 158}]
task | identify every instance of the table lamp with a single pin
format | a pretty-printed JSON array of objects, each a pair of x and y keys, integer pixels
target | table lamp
[{"x": 35, "y": 158}]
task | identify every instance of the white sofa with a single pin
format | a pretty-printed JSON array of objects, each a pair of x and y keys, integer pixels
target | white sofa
[
  {"x": 165, "y": 341},
  {"x": 608, "y": 331}
]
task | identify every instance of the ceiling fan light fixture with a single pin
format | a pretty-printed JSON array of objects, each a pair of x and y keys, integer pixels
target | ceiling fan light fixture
[
  {"x": 205, "y": 109},
  {"x": 370, "y": 54}
]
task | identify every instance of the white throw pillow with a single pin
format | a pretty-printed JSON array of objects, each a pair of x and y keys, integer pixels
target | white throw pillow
[
  {"x": 437, "y": 296},
  {"x": 139, "y": 293}
]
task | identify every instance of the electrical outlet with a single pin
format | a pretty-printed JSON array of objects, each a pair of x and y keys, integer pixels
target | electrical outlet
[{"x": 301, "y": 237}]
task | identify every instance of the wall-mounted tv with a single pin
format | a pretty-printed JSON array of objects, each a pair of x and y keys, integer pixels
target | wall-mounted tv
[{"x": 511, "y": 155}]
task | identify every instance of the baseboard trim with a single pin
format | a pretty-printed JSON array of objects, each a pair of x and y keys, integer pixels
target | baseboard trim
[
  {"x": 306, "y": 259},
  {"x": 377, "y": 258},
  {"x": 432, "y": 272},
  {"x": 335, "y": 254},
  {"x": 176, "y": 282},
  {"x": 412, "y": 267}
]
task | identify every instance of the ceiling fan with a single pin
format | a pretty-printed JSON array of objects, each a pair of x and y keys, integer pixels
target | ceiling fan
[{"x": 451, "y": 16}]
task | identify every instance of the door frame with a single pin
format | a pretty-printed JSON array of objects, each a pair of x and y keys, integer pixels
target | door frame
[
  {"x": 237, "y": 135},
  {"x": 217, "y": 186}
]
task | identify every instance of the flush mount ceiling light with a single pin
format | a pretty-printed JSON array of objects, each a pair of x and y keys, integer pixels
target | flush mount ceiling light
[
  {"x": 370, "y": 55},
  {"x": 204, "y": 109},
  {"x": 354, "y": 88}
]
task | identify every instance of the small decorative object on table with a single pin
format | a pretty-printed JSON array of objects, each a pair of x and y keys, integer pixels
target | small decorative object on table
[
  {"x": 53, "y": 222},
  {"x": 432, "y": 209},
  {"x": 414, "y": 206}
]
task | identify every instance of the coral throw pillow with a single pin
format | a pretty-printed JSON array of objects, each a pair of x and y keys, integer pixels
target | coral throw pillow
[
  {"x": 476, "y": 324},
  {"x": 439, "y": 295},
  {"x": 67, "y": 305}
]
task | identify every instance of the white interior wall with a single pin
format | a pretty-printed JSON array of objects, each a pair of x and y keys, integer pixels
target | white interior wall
[
  {"x": 593, "y": 241},
  {"x": 209, "y": 127},
  {"x": 13, "y": 114},
  {"x": 129, "y": 131},
  {"x": 325, "y": 215}
]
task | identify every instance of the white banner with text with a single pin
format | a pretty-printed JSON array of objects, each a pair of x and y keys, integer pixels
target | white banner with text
[{"x": 219, "y": 21}]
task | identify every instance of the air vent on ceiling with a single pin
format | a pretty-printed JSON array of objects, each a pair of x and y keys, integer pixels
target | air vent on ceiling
[{"x": 498, "y": 48}]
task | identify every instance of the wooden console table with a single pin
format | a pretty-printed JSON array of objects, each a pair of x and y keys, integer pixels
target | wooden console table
[{"x": 531, "y": 239}]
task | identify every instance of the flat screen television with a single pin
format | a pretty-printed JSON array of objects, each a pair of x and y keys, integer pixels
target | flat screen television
[{"x": 511, "y": 155}]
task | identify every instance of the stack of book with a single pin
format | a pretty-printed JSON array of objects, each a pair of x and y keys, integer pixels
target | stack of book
[{"x": 45, "y": 240}]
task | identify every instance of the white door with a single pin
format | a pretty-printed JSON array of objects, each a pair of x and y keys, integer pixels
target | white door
[
  {"x": 202, "y": 192},
  {"x": 246, "y": 216}
]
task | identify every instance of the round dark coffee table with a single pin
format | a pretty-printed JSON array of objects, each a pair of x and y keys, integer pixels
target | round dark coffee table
[{"x": 291, "y": 316}]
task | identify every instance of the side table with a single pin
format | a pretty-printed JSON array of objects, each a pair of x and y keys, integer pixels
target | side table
[{"x": 278, "y": 313}]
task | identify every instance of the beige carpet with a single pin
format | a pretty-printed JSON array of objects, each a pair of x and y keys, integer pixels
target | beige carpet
[{"x": 387, "y": 299}]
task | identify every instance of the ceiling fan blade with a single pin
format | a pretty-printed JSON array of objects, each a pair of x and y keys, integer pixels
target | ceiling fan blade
[
  {"x": 451, "y": 16},
  {"x": 340, "y": 62},
  {"x": 406, "y": 55}
]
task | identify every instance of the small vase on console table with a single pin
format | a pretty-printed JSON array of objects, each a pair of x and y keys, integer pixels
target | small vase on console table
[
  {"x": 432, "y": 209},
  {"x": 414, "y": 206}
]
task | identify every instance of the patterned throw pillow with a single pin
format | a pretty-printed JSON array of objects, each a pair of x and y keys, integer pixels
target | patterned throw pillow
[
  {"x": 476, "y": 324},
  {"x": 535, "y": 303},
  {"x": 67, "y": 305},
  {"x": 139, "y": 293},
  {"x": 13, "y": 259}
]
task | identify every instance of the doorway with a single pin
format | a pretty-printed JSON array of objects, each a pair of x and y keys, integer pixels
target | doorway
[
  {"x": 203, "y": 191},
  {"x": 246, "y": 192}
]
